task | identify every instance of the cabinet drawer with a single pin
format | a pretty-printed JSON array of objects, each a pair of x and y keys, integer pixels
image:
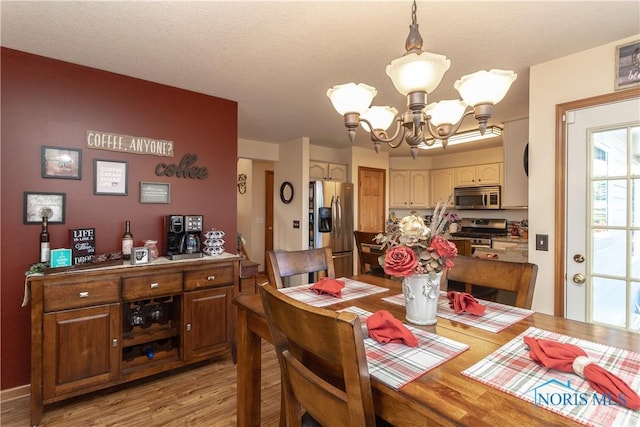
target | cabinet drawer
[
  {"x": 74, "y": 295},
  {"x": 214, "y": 276},
  {"x": 150, "y": 286}
]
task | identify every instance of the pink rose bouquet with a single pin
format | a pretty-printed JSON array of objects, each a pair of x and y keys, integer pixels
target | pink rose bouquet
[{"x": 412, "y": 247}]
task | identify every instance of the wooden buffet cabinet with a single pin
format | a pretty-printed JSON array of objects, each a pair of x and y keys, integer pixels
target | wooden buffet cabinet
[{"x": 96, "y": 328}]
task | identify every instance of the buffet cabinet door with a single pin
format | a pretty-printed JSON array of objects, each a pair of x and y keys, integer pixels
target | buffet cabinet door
[
  {"x": 80, "y": 349},
  {"x": 207, "y": 322}
]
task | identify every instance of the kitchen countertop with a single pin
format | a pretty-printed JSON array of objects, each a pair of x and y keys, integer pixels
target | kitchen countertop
[{"x": 519, "y": 239}]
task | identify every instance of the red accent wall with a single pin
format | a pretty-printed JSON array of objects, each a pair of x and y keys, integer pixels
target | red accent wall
[{"x": 49, "y": 102}]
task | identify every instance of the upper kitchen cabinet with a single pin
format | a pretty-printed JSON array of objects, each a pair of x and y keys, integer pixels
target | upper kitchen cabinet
[
  {"x": 327, "y": 171},
  {"x": 441, "y": 185},
  {"x": 409, "y": 189},
  {"x": 515, "y": 192},
  {"x": 471, "y": 176}
]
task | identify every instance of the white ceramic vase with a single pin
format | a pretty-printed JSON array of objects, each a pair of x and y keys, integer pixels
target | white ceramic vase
[{"x": 421, "y": 292}]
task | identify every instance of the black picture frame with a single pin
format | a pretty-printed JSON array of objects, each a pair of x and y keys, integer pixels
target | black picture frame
[
  {"x": 61, "y": 162},
  {"x": 38, "y": 204},
  {"x": 286, "y": 192},
  {"x": 155, "y": 192},
  {"x": 110, "y": 177},
  {"x": 627, "y": 70}
]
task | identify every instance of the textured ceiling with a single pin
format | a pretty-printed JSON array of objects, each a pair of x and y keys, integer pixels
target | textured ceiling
[{"x": 277, "y": 59}]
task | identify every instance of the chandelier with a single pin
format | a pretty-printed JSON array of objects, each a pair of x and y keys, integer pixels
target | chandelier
[{"x": 415, "y": 74}]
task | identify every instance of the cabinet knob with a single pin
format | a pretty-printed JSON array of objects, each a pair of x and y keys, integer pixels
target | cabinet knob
[
  {"x": 114, "y": 342},
  {"x": 211, "y": 277},
  {"x": 154, "y": 285},
  {"x": 84, "y": 294},
  {"x": 188, "y": 327}
]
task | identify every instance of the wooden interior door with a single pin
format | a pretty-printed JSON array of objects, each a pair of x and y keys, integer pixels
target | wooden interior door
[
  {"x": 268, "y": 214},
  {"x": 371, "y": 185}
]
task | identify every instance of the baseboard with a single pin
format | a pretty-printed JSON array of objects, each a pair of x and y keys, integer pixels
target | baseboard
[{"x": 15, "y": 393}]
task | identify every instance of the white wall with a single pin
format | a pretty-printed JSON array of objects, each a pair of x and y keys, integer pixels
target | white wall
[
  {"x": 245, "y": 208},
  {"x": 292, "y": 166},
  {"x": 574, "y": 77}
]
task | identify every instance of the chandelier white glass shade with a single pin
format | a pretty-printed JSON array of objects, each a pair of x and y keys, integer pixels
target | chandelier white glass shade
[
  {"x": 416, "y": 74},
  {"x": 466, "y": 136}
]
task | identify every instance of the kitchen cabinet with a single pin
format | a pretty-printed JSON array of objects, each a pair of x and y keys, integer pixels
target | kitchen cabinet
[
  {"x": 327, "y": 171},
  {"x": 515, "y": 191},
  {"x": 441, "y": 185},
  {"x": 409, "y": 189},
  {"x": 98, "y": 327},
  {"x": 474, "y": 175}
]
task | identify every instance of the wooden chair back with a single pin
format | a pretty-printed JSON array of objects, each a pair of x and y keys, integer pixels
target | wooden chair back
[
  {"x": 307, "y": 341},
  {"x": 283, "y": 264},
  {"x": 365, "y": 256},
  {"x": 517, "y": 277},
  {"x": 463, "y": 246}
]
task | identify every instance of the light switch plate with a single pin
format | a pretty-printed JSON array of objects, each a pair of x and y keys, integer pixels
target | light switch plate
[{"x": 542, "y": 242}]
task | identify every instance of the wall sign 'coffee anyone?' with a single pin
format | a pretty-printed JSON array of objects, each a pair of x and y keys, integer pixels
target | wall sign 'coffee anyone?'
[
  {"x": 129, "y": 144},
  {"x": 185, "y": 169}
]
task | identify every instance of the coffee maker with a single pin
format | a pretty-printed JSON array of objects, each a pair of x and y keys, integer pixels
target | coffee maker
[{"x": 183, "y": 234}]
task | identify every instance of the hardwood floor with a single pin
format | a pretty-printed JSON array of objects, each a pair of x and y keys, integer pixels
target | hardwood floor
[{"x": 202, "y": 395}]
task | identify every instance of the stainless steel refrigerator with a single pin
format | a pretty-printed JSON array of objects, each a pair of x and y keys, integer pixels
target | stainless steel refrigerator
[{"x": 331, "y": 222}]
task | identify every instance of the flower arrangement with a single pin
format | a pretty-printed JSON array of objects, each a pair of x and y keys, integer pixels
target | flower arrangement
[
  {"x": 453, "y": 218},
  {"x": 412, "y": 247}
]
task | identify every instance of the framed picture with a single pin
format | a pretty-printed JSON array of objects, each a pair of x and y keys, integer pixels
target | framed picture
[
  {"x": 38, "y": 205},
  {"x": 61, "y": 163},
  {"x": 627, "y": 65},
  {"x": 140, "y": 255},
  {"x": 110, "y": 177},
  {"x": 155, "y": 192}
]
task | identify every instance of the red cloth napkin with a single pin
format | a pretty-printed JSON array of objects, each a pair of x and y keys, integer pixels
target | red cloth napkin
[
  {"x": 384, "y": 328},
  {"x": 463, "y": 302},
  {"x": 328, "y": 286},
  {"x": 571, "y": 358}
]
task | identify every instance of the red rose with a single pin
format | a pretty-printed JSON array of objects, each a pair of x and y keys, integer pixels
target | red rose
[
  {"x": 443, "y": 247},
  {"x": 400, "y": 261}
]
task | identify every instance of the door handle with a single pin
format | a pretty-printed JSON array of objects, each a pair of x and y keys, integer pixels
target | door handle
[
  {"x": 579, "y": 278},
  {"x": 339, "y": 213}
]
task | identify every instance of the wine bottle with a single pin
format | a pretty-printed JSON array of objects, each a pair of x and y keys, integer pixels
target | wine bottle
[
  {"x": 127, "y": 241},
  {"x": 44, "y": 240}
]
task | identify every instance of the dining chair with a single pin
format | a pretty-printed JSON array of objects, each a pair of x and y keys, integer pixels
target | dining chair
[
  {"x": 323, "y": 365},
  {"x": 516, "y": 277},
  {"x": 367, "y": 256},
  {"x": 282, "y": 265}
]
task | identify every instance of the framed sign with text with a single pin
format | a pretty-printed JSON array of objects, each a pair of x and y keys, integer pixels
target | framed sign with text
[
  {"x": 627, "y": 65},
  {"x": 39, "y": 204},
  {"x": 61, "y": 163},
  {"x": 110, "y": 177},
  {"x": 155, "y": 192}
]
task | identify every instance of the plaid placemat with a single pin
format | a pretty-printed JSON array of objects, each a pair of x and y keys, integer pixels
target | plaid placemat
[
  {"x": 511, "y": 370},
  {"x": 496, "y": 318},
  {"x": 397, "y": 364},
  {"x": 352, "y": 289}
]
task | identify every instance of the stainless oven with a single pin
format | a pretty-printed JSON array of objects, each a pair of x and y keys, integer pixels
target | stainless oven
[{"x": 477, "y": 197}]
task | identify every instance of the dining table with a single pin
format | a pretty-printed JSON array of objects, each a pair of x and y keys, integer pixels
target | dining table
[{"x": 442, "y": 395}]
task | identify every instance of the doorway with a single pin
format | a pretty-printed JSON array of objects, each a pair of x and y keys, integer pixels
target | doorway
[
  {"x": 586, "y": 194},
  {"x": 371, "y": 202}
]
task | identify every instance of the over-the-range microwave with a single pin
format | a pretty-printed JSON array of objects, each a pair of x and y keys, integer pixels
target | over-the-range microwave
[{"x": 487, "y": 197}]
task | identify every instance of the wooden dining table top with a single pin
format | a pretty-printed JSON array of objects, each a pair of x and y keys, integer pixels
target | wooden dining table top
[{"x": 442, "y": 396}]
